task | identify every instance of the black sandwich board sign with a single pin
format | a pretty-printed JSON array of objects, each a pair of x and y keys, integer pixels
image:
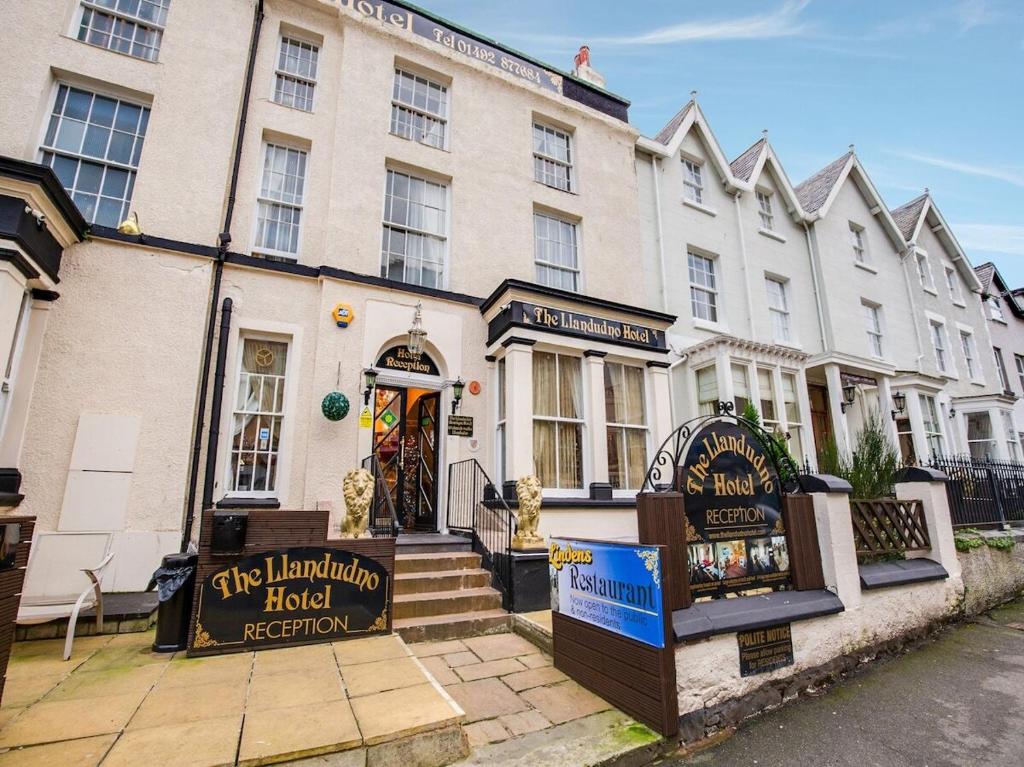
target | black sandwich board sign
[
  {"x": 733, "y": 499},
  {"x": 291, "y": 596}
]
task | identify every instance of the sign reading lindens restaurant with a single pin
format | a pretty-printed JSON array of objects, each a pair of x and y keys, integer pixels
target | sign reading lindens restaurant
[
  {"x": 733, "y": 513},
  {"x": 395, "y": 15},
  {"x": 291, "y": 596},
  {"x": 614, "y": 586}
]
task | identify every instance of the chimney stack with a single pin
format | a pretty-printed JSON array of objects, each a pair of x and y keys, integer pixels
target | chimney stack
[{"x": 583, "y": 70}]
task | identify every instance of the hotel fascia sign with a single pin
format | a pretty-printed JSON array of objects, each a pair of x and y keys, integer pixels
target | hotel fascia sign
[
  {"x": 400, "y": 358},
  {"x": 733, "y": 499},
  {"x": 397, "y": 16},
  {"x": 564, "y": 322},
  {"x": 614, "y": 586},
  {"x": 291, "y": 596}
]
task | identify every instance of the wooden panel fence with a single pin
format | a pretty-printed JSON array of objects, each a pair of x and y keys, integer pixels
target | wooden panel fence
[{"x": 888, "y": 526}]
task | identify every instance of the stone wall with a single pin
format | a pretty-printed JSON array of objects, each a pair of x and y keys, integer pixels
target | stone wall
[{"x": 992, "y": 575}]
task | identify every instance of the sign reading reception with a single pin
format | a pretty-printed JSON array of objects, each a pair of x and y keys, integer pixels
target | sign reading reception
[
  {"x": 733, "y": 513},
  {"x": 614, "y": 586},
  {"x": 291, "y": 596}
]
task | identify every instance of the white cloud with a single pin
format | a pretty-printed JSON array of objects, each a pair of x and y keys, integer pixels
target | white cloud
[
  {"x": 1009, "y": 175},
  {"x": 997, "y": 238},
  {"x": 782, "y": 22},
  {"x": 969, "y": 14}
]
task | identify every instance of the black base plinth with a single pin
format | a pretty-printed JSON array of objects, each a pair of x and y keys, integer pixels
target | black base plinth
[{"x": 531, "y": 585}]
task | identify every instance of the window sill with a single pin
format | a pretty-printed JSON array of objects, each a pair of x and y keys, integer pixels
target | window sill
[
  {"x": 996, "y": 319},
  {"x": 112, "y": 50},
  {"x": 794, "y": 345},
  {"x": 716, "y": 327},
  {"x": 865, "y": 267},
  {"x": 421, "y": 143},
  {"x": 698, "y": 206},
  {"x": 771, "y": 234},
  {"x": 932, "y": 291},
  {"x": 233, "y": 502},
  {"x": 573, "y": 192},
  {"x": 977, "y": 382},
  {"x": 959, "y": 303},
  {"x": 300, "y": 110},
  {"x": 283, "y": 258}
]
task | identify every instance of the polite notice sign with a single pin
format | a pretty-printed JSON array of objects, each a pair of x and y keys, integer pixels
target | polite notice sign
[
  {"x": 764, "y": 650},
  {"x": 734, "y": 526},
  {"x": 290, "y": 596},
  {"x": 460, "y": 426},
  {"x": 614, "y": 586}
]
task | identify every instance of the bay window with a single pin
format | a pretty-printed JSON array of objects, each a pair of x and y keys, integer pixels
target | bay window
[
  {"x": 980, "y": 440},
  {"x": 794, "y": 425},
  {"x": 766, "y": 393},
  {"x": 558, "y": 420},
  {"x": 626, "y": 417},
  {"x": 501, "y": 459},
  {"x": 257, "y": 419},
  {"x": 707, "y": 391},
  {"x": 1012, "y": 447},
  {"x": 932, "y": 424},
  {"x": 740, "y": 388}
]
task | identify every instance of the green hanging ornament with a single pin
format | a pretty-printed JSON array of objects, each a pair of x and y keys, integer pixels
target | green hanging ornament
[{"x": 335, "y": 406}]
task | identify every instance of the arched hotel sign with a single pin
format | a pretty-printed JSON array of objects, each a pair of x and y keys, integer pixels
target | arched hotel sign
[
  {"x": 290, "y": 596},
  {"x": 400, "y": 358},
  {"x": 733, "y": 500}
]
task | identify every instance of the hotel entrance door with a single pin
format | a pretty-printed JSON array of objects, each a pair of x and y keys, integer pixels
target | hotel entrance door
[{"x": 406, "y": 444}]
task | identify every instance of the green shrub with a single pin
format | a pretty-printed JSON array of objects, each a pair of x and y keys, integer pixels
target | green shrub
[{"x": 872, "y": 468}]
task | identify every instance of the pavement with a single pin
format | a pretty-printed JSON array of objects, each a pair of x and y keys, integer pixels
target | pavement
[
  {"x": 956, "y": 700},
  {"x": 118, "y": 703}
]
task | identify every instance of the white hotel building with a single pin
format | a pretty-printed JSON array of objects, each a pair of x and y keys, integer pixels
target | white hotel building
[{"x": 312, "y": 176}]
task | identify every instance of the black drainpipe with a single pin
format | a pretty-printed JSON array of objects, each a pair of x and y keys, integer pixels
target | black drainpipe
[
  {"x": 218, "y": 397},
  {"x": 224, "y": 241}
]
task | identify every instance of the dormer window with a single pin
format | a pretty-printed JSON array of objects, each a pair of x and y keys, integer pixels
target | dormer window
[
  {"x": 995, "y": 309},
  {"x": 859, "y": 242},
  {"x": 764, "y": 202},
  {"x": 693, "y": 181}
]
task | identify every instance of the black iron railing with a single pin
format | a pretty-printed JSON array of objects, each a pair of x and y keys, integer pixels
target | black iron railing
[
  {"x": 383, "y": 519},
  {"x": 982, "y": 492},
  {"x": 477, "y": 511}
]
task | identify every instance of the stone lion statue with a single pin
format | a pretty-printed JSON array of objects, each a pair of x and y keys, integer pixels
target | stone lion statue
[
  {"x": 528, "y": 490},
  {"x": 357, "y": 487}
]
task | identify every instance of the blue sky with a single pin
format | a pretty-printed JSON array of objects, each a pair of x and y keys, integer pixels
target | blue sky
[{"x": 931, "y": 92}]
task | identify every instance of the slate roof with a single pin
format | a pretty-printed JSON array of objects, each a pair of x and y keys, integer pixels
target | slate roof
[
  {"x": 906, "y": 216},
  {"x": 985, "y": 274},
  {"x": 743, "y": 165},
  {"x": 665, "y": 134},
  {"x": 813, "y": 192}
]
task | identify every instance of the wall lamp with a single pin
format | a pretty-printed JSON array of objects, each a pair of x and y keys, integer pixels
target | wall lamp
[
  {"x": 457, "y": 388},
  {"x": 369, "y": 382},
  {"x": 899, "y": 401},
  {"x": 849, "y": 395}
]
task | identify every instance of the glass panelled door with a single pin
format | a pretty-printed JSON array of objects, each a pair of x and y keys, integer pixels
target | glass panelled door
[
  {"x": 426, "y": 432},
  {"x": 406, "y": 444}
]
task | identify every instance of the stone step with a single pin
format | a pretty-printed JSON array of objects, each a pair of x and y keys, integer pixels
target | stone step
[
  {"x": 441, "y": 580},
  {"x": 434, "y": 562},
  {"x": 438, "y": 627},
  {"x": 407, "y": 543},
  {"x": 446, "y": 602}
]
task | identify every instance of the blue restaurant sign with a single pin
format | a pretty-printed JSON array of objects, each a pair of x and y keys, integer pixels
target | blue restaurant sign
[{"x": 614, "y": 586}]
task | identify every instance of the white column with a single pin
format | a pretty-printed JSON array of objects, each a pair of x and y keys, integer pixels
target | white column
[
  {"x": 596, "y": 418},
  {"x": 659, "y": 416},
  {"x": 519, "y": 410},
  {"x": 937, "y": 517},
  {"x": 840, "y": 429},
  {"x": 916, "y": 416},
  {"x": 17, "y": 412},
  {"x": 723, "y": 373},
  {"x": 803, "y": 399},
  {"x": 885, "y": 408},
  {"x": 12, "y": 288},
  {"x": 838, "y": 551}
]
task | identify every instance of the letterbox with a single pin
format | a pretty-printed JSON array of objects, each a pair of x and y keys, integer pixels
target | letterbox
[{"x": 229, "y": 532}]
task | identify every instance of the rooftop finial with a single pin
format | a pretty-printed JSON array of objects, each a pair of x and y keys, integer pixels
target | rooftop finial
[
  {"x": 926, "y": 190},
  {"x": 693, "y": 96},
  {"x": 764, "y": 134},
  {"x": 851, "y": 149}
]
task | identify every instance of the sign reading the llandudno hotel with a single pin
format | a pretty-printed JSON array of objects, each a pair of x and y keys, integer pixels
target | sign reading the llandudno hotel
[
  {"x": 566, "y": 323},
  {"x": 398, "y": 16},
  {"x": 733, "y": 513},
  {"x": 614, "y": 586},
  {"x": 291, "y": 596}
]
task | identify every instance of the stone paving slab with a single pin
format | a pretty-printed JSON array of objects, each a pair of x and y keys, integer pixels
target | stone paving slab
[{"x": 119, "y": 703}]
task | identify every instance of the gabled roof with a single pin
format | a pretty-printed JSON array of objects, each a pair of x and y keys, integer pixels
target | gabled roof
[
  {"x": 665, "y": 134},
  {"x": 908, "y": 215},
  {"x": 815, "y": 191},
  {"x": 994, "y": 285},
  {"x": 743, "y": 166},
  {"x": 911, "y": 218},
  {"x": 985, "y": 274}
]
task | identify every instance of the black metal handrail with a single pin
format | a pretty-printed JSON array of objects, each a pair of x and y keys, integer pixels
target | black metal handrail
[
  {"x": 477, "y": 510},
  {"x": 383, "y": 517}
]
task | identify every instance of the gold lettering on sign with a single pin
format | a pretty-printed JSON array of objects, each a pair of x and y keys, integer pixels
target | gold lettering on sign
[
  {"x": 376, "y": 11},
  {"x": 715, "y": 446}
]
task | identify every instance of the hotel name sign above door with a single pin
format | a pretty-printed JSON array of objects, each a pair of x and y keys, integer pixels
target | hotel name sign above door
[
  {"x": 563, "y": 322},
  {"x": 392, "y": 14}
]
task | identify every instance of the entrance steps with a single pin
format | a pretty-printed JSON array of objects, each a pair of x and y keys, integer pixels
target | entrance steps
[{"x": 445, "y": 595}]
